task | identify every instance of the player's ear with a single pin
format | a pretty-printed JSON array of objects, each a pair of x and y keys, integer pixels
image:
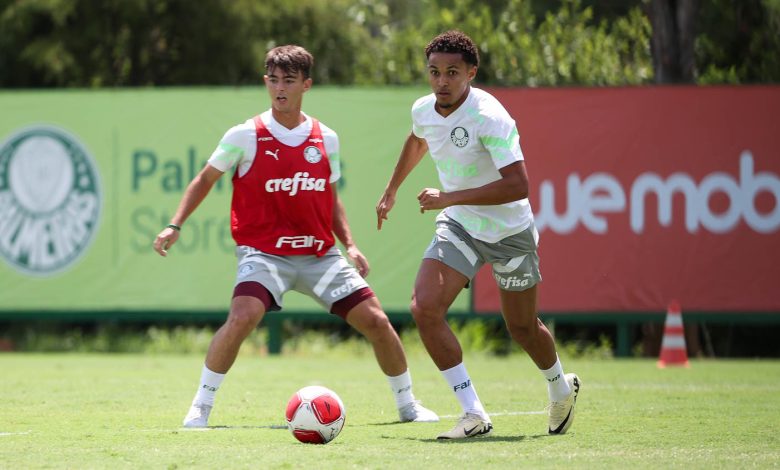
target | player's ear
[
  {"x": 472, "y": 72},
  {"x": 307, "y": 84}
]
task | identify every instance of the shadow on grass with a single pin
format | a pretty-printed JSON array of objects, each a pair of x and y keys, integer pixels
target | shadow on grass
[
  {"x": 389, "y": 423},
  {"x": 493, "y": 437},
  {"x": 224, "y": 427},
  {"x": 483, "y": 439}
]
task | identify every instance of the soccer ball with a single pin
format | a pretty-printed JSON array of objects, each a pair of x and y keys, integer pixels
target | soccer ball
[{"x": 315, "y": 415}]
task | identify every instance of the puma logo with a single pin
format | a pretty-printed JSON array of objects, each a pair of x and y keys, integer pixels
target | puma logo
[{"x": 273, "y": 154}]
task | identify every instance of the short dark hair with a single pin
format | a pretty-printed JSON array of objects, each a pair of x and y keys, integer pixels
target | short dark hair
[
  {"x": 454, "y": 42},
  {"x": 291, "y": 59}
]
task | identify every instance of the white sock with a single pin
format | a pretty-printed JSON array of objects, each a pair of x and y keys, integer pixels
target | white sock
[
  {"x": 460, "y": 383},
  {"x": 557, "y": 387},
  {"x": 401, "y": 385},
  {"x": 209, "y": 384}
]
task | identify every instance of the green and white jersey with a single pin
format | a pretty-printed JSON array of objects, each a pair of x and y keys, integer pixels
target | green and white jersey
[{"x": 468, "y": 148}]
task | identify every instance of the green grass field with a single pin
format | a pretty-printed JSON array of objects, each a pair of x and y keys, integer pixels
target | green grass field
[{"x": 124, "y": 411}]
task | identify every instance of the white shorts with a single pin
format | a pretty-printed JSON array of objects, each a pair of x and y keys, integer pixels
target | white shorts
[
  {"x": 514, "y": 258},
  {"x": 327, "y": 279}
]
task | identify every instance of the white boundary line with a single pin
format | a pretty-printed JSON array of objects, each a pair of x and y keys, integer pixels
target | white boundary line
[{"x": 3, "y": 434}]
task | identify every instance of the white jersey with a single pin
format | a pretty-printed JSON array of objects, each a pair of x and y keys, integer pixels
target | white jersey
[
  {"x": 468, "y": 148},
  {"x": 239, "y": 144}
]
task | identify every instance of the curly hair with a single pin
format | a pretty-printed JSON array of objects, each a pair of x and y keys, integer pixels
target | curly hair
[
  {"x": 455, "y": 42},
  {"x": 291, "y": 59}
]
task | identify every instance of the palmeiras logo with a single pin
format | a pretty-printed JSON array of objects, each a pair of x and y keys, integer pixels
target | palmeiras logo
[
  {"x": 50, "y": 200},
  {"x": 312, "y": 154},
  {"x": 459, "y": 137}
]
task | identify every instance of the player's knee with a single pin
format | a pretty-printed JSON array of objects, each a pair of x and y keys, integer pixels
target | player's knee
[
  {"x": 378, "y": 324},
  {"x": 425, "y": 310},
  {"x": 417, "y": 309},
  {"x": 243, "y": 319},
  {"x": 522, "y": 333},
  {"x": 374, "y": 326}
]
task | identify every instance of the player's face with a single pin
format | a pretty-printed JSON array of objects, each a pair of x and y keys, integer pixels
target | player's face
[
  {"x": 450, "y": 77},
  {"x": 286, "y": 89}
]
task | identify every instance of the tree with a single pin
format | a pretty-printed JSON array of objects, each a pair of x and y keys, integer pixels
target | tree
[{"x": 673, "y": 39}]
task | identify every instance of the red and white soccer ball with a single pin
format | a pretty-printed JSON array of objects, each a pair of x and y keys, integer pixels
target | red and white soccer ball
[{"x": 315, "y": 415}]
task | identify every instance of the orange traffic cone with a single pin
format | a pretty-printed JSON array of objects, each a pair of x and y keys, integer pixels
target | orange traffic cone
[{"x": 673, "y": 352}]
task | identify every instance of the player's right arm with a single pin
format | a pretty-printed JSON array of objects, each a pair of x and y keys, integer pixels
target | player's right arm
[
  {"x": 195, "y": 193},
  {"x": 236, "y": 145},
  {"x": 413, "y": 151}
]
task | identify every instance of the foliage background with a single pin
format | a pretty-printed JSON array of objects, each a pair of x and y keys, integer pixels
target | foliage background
[
  {"x": 141, "y": 43},
  {"x": 108, "y": 43}
]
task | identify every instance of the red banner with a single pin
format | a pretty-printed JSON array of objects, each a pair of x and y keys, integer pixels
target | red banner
[{"x": 644, "y": 195}]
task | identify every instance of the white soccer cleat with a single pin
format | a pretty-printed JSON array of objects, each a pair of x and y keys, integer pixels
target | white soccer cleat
[
  {"x": 561, "y": 413},
  {"x": 470, "y": 425},
  {"x": 198, "y": 416},
  {"x": 415, "y": 412}
]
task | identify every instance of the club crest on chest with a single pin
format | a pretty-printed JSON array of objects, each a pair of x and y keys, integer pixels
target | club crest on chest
[
  {"x": 312, "y": 154},
  {"x": 459, "y": 137}
]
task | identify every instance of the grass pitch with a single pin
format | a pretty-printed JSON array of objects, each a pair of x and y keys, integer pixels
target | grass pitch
[{"x": 124, "y": 411}]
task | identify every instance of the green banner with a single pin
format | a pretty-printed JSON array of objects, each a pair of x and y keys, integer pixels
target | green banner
[{"x": 88, "y": 179}]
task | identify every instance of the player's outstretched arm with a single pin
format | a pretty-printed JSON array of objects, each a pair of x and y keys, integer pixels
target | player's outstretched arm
[
  {"x": 411, "y": 154},
  {"x": 344, "y": 235},
  {"x": 196, "y": 191}
]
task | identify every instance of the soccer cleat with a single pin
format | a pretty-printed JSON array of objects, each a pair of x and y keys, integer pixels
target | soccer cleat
[
  {"x": 561, "y": 413},
  {"x": 469, "y": 425},
  {"x": 198, "y": 416},
  {"x": 415, "y": 412}
]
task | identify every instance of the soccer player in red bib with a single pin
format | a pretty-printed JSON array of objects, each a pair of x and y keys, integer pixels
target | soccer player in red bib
[{"x": 284, "y": 215}]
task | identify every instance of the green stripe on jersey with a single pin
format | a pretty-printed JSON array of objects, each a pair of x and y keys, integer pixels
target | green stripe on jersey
[
  {"x": 498, "y": 142},
  {"x": 474, "y": 113},
  {"x": 229, "y": 153},
  {"x": 230, "y": 148}
]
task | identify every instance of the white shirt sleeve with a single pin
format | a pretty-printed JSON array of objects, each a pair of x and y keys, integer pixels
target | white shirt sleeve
[
  {"x": 498, "y": 134},
  {"x": 236, "y": 148},
  {"x": 331, "y": 141},
  {"x": 419, "y": 107}
]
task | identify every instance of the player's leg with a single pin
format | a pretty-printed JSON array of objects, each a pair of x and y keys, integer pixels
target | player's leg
[
  {"x": 260, "y": 283},
  {"x": 436, "y": 287},
  {"x": 525, "y": 328},
  {"x": 528, "y": 331},
  {"x": 361, "y": 310},
  {"x": 246, "y": 311},
  {"x": 249, "y": 304},
  {"x": 517, "y": 275},
  {"x": 368, "y": 318}
]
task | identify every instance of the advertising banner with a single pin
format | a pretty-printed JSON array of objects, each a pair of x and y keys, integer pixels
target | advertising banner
[
  {"x": 647, "y": 195},
  {"x": 89, "y": 178},
  {"x": 641, "y": 196}
]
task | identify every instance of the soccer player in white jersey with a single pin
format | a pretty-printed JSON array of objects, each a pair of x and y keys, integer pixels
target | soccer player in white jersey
[
  {"x": 486, "y": 218},
  {"x": 284, "y": 215}
]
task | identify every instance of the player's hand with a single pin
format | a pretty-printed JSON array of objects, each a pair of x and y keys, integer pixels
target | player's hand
[
  {"x": 165, "y": 240},
  {"x": 386, "y": 202},
  {"x": 358, "y": 260},
  {"x": 432, "y": 198}
]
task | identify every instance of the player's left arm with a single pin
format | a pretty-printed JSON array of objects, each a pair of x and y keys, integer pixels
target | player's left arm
[
  {"x": 499, "y": 138},
  {"x": 512, "y": 186},
  {"x": 343, "y": 233}
]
